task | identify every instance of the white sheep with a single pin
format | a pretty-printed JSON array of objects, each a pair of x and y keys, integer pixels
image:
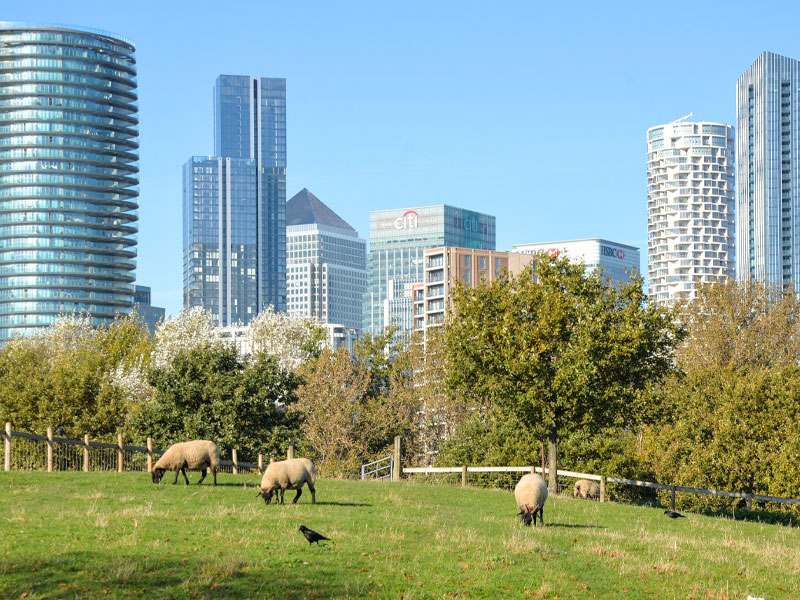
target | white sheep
[
  {"x": 197, "y": 455},
  {"x": 288, "y": 474},
  {"x": 531, "y": 493},
  {"x": 586, "y": 489}
]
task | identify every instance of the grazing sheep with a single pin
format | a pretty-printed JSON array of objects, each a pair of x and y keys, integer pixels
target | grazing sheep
[
  {"x": 288, "y": 474},
  {"x": 197, "y": 455},
  {"x": 586, "y": 489},
  {"x": 531, "y": 493}
]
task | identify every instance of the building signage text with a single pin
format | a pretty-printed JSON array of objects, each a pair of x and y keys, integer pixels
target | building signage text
[{"x": 409, "y": 220}]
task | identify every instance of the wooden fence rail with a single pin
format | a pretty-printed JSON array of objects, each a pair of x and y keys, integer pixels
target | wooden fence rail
[
  {"x": 119, "y": 449},
  {"x": 603, "y": 481}
]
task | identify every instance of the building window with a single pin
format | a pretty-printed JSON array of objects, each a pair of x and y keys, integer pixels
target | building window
[
  {"x": 466, "y": 261},
  {"x": 466, "y": 274}
]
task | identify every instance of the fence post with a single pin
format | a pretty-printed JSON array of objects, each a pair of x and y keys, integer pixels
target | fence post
[
  {"x": 260, "y": 463},
  {"x": 602, "y": 488},
  {"x": 235, "y": 457},
  {"x": 290, "y": 452},
  {"x": 271, "y": 460},
  {"x": 7, "y": 462},
  {"x": 119, "y": 453},
  {"x": 49, "y": 449},
  {"x": 149, "y": 455},
  {"x": 86, "y": 453},
  {"x": 748, "y": 502},
  {"x": 672, "y": 499},
  {"x": 398, "y": 466},
  {"x": 463, "y": 475}
]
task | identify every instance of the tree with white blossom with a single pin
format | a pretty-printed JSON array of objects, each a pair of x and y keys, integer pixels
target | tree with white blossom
[{"x": 290, "y": 339}]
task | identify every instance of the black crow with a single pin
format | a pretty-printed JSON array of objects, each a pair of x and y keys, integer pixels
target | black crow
[
  {"x": 312, "y": 536},
  {"x": 672, "y": 514}
]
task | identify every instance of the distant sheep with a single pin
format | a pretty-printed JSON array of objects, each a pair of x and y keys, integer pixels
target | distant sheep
[
  {"x": 531, "y": 494},
  {"x": 289, "y": 474},
  {"x": 586, "y": 489},
  {"x": 197, "y": 455}
]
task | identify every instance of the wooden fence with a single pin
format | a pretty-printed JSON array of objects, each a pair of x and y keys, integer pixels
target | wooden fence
[
  {"x": 45, "y": 452},
  {"x": 603, "y": 480}
]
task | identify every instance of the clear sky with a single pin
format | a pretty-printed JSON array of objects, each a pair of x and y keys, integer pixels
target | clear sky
[{"x": 533, "y": 112}]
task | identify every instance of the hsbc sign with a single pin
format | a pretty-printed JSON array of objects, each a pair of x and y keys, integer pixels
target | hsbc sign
[{"x": 612, "y": 252}]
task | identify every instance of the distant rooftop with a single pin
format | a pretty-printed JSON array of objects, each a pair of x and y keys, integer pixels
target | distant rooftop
[{"x": 304, "y": 208}]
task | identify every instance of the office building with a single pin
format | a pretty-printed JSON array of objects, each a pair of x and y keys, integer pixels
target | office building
[
  {"x": 325, "y": 264},
  {"x": 398, "y": 240},
  {"x": 690, "y": 208},
  {"x": 768, "y": 172},
  {"x": 234, "y": 205},
  {"x": 616, "y": 261},
  {"x": 68, "y": 175},
  {"x": 470, "y": 267},
  {"x": 151, "y": 315}
]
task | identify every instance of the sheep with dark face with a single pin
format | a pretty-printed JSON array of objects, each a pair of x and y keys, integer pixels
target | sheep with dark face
[
  {"x": 289, "y": 474},
  {"x": 197, "y": 455},
  {"x": 530, "y": 494},
  {"x": 586, "y": 489}
]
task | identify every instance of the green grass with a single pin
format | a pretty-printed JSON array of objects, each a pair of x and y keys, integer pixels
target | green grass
[{"x": 98, "y": 535}]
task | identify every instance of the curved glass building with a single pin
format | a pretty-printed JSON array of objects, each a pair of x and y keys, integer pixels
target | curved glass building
[{"x": 68, "y": 175}]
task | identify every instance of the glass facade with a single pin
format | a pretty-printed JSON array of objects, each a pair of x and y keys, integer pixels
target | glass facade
[
  {"x": 68, "y": 175},
  {"x": 690, "y": 208},
  {"x": 398, "y": 240},
  {"x": 768, "y": 172},
  {"x": 235, "y": 204}
]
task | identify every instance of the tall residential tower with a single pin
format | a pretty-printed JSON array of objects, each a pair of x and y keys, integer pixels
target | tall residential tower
[
  {"x": 234, "y": 217},
  {"x": 768, "y": 172},
  {"x": 69, "y": 169},
  {"x": 690, "y": 200}
]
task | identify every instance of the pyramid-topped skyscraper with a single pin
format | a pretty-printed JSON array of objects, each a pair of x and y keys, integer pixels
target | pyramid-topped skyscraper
[{"x": 326, "y": 270}]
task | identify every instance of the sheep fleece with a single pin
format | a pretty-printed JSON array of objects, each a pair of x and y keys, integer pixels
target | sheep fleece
[
  {"x": 586, "y": 489},
  {"x": 289, "y": 474},
  {"x": 198, "y": 454},
  {"x": 531, "y": 492}
]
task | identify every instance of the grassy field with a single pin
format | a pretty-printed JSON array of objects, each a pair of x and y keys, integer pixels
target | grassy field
[{"x": 98, "y": 535}]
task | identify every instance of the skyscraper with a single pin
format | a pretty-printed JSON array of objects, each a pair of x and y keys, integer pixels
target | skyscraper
[
  {"x": 68, "y": 175},
  {"x": 768, "y": 171},
  {"x": 398, "y": 240},
  {"x": 234, "y": 219},
  {"x": 690, "y": 199},
  {"x": 325, "y": 265}
]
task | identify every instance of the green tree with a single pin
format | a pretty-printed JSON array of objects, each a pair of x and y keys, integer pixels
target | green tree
[
  {"x": 209, "y": 392},
  {"x": 73, "y": 375},
  {"x": 560, "y": 348}
]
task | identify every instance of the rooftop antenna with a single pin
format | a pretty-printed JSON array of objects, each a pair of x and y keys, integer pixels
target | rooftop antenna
[{"x": 683, "y": 118}]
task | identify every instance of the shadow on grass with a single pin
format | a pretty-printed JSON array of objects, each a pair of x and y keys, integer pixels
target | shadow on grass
[
  {"x": 345, "y": 503},
  {"x": 93, "y": 575},
  {"x": 575, "y": 526}
]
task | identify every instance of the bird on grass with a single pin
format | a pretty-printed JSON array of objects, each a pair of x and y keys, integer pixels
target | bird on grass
[
  {"x": 673, "y": 515},
  {"x": 312, "y": 536}
]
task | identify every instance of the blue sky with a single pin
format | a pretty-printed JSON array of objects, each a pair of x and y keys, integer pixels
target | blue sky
[{"x": 535, "y": 113}]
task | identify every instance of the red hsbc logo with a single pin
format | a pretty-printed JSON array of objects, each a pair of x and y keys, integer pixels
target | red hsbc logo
[{"x": 552, "y": 252}]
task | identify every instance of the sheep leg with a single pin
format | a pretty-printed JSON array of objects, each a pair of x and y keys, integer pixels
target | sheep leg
[
  {"x": 177, "y": 471},
  {"x": 183, "y": 471},
  {"x": 214, "y": 471},
  {"x": 282, "y": 490},
  {"x": 204, "y": 471},
  {"x": 541, "y": 516},
  {"x": 313, "y": 494},
  {"x": 299, "y": 491}
]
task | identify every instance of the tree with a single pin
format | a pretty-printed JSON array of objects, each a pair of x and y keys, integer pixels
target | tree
[
  {"x": 192, "y": 328},
  {"x": 290, "y": 339},
  {"x": 68, "y": 375},
  {"x": 209, "y": 392},
  {"x": 559, "y": 347},
  {"x": 740, "y": 324}
]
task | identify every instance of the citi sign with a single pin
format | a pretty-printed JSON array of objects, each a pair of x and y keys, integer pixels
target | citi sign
[
  {"x": 409, "y": 220},
  {"x": 612, "y": 252}
]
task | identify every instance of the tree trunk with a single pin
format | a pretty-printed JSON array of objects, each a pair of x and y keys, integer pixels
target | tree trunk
[{"x": 552, "y": 459}]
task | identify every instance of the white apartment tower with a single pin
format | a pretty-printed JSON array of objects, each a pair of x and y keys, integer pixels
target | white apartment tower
[{"x": 690, "y": 207}]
